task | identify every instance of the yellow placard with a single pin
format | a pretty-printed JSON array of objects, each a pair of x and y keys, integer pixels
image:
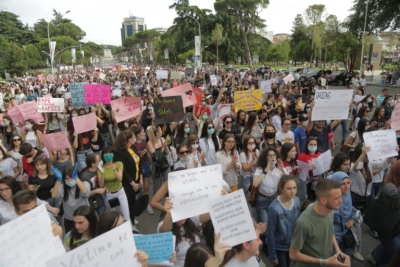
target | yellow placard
[{"x": 248, "y": 100}]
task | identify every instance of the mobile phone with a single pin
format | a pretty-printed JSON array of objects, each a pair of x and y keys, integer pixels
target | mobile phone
[
  {"x": 36, "y": 185},
  {"x": 340, "y": 258}
]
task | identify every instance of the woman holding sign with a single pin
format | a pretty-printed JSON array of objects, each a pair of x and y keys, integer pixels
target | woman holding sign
[
  {"x": 228, "y": 157},
  {"x": 209, "y": 142}
]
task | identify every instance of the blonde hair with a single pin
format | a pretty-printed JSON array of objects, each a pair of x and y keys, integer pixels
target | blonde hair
[{"x": 152, "y": 134}]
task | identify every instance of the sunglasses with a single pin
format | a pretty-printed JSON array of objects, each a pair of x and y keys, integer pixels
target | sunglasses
[
  {"x": 211, "y": 127},
  {"x": 195, "y": 143},
  {"x": 15, "y": 140},
  {"x": 184, "y": 152},
  {"x": 228, "y": 122}
]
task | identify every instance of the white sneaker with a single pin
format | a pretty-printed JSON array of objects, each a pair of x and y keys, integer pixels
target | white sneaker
[
  {"x": 358, "y": 257},
  {"x": 150, "y": 210},
  {"x": 136, "y": 222}
]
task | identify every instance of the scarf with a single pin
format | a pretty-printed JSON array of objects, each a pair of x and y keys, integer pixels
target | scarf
[{"x": 346, "y": 206}]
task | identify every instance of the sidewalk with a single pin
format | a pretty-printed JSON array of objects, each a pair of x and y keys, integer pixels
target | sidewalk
[{"x": 374, "y": 78}]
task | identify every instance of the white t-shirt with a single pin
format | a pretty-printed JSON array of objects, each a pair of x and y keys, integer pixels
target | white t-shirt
[
  {"x": 7, "y": 166},
  {"x": 243, "y": 159},
  {"x": 185, "y": 243},
  {"x": 285, "y": 137},
  {"x": 357, "y": 181},
  {"x": 269, "y": 184},
  {"x": 277, "y": 122},
  {"x": 252, "y": 262}
]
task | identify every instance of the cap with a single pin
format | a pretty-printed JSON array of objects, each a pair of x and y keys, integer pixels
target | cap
[
  {"x": 303, "y": 117},
  {"x": 209, "y": 96}
]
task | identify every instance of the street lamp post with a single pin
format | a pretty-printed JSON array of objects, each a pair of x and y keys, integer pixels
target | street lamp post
[
  {"x": 363, "y": 38},
  {"x": 200, "y": 56},
  {"x": 51, "y": 54}
]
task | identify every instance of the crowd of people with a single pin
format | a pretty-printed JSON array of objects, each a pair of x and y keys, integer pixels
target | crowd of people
[{"x": 92, "y": 187}]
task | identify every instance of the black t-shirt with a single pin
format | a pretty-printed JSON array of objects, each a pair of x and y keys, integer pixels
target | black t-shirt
[
  {"x": 224, "y": 132},
  {"x": 44, "y": 191},
  {"x": 322, "y": 137}
]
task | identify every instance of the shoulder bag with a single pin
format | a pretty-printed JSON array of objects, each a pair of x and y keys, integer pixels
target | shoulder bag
[
  {"x": 383, "y": 219},
  {"x": 141, "y": 202}
]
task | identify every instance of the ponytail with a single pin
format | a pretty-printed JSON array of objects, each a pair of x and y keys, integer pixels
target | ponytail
[{"x": 230, "y": 254}]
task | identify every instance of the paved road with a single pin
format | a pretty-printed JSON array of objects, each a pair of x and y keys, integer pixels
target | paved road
[{"x": 148, "y": 223}]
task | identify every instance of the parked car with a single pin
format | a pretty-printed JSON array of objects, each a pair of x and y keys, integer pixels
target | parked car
[
  {"x": 339, "y": 78},
  {"x": 259, "y": 70},
  {"x": 314, "y": 73}
]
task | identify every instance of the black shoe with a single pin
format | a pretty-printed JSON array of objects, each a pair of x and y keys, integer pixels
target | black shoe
[
  {"x": 373, "y": 233},
  {"x": 350, "y": 129}
]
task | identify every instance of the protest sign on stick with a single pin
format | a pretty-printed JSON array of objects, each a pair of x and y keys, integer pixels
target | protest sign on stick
[
  {"x": 231, "y": 217},
  {"x": 84, "y": 123},
  {"x": 190, "y": 189},
  {"x": 56, "y": 141},
  {"x": 77, "y": 91},
  {"x": 382, "y": 143},
  {"x": 29, "y": 111},
  {"x": 168, "y": 109},
  {"x": 113, "y": 248},
  {"x": 126, "y": 108},
  {"x": 331, "y": 105},
  {"x": 95, "y": 93},
  {"x": 50, "y": 105},
  {"x": 32, "y": 234}
]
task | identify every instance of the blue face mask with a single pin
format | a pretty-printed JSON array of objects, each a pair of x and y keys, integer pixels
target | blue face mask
[
  {"x": 184, "y": 159},
  {"x": 205, "y": 117},
  {"x": 71, "y": 184},
  {"x": 312, "y": 148},
  {"x": 28, "y": 127},
  {"x": 210, "y": 131},
  {"x": 5, "y": 123},
  {"x": 187, "y": 130},
  {"x": 108, "y": 157},
  {"x": 308, "y": 109}
]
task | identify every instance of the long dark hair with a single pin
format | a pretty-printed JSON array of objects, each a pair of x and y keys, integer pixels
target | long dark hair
[
  {"x": 356, "y": 154},
  {"x": 250, "y": 122},
  {"x": 107, "y": 221},
  {"x": 11, "y": 183},
  {"x": 197, "y": 255},
  {"x": 245, "y": 142},
  {"x": 338, "y": 160},
  {"x": 90, "y": 159},
  {"x": 231, "y": 253},
  {"x": 223, "y": 144},
  {"x": 88, "y": 213},
  {"x": 181, "y": 130},
  {"x": 361, "y": 112},
  {"x": 121, "y": 143},
  {"x": 286, "y": 147},
  {"x": 238, "y": 118},
  {"x": 204, "y": 134},
  {"x": 361, "y": 128},
  {"x": 68, "y": 171}
]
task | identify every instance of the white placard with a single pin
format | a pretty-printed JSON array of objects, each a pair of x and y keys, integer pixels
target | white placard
[
  {"x": 213, "y": 80},
  {"x": 114, "y": 248},
  {"x": 191, "y": 189},
  {"x": 231, "y": 217},
  {"x": 266, "y": 86},
  {"x": 289, "y": 78},
  {"x": 102, "y": 76},
  {"x": 322, "y": 163},
  {"x": 177, "y": 75},
  {"x": 162, "y": 74},
  {"x": 382, "y": 143},
  {"x": 303, "y": 174},
  {"x": 323, "y": 82},
  {"x": 67, "y": 95},
  {"x": 331, "y": 105},
  {"x": 50, "y": 105},
  {"x": 28, "y": 241},
  {"x": 224, "y": 110}
]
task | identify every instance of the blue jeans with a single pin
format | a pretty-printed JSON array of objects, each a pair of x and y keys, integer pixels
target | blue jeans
[
  {"x": 262, "y": 205},
  {"x": 383, "y": 83},
  {"x": 245, "y": 183},
  {"x": 384, "y": 252},
  {"x": 301, "y": 190},
  {"x": 81, "y": 158},
  {"x": 283, "y": 258},
  {"x": 343, "y": 123}
]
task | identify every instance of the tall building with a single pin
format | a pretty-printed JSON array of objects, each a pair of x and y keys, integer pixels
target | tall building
[
  {"x": 132, "y": 25},
  {"x": 160, "y": 30}
]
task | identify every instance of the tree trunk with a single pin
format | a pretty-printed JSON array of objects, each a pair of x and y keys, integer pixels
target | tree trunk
[
  {"x": 247, "y": 50},
  {"x": 217, "y": 53}
]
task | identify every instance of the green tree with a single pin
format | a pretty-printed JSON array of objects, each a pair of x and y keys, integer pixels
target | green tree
[
  {"x": 300, "y": 37},
  {"x": 247, "y": 16},
  {"x": 217, "y": 36},
  {"x": 14, "y": 60},
  {"x": 313, "y": 15},
  {"x": 14, "y": 30},
  {"x": 32, "y": 57}
]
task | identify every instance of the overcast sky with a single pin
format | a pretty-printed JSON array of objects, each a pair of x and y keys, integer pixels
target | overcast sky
[{"x": 101, "y": 19}]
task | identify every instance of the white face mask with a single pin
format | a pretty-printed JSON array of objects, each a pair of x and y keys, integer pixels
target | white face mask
[
  {"x": 305, "y": 123},
  {"x": 195, "y": 146},
  {"x": 273, "y": 164},
  {"x": 74, "y": 115},
  {"x": 126, "y": 125}
]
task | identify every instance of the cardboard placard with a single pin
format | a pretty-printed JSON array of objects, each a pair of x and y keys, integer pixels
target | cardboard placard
[
  {"x": 168, "y": 109},
  {"x": 50, "y": 105},
  {"x": 95, "y": 93}
]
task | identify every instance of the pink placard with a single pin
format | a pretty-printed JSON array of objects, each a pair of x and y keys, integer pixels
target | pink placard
[
  {"x": 15, "y": 115},
  {"x": 182, "y": 90},
  {"x": 56, "y": 141},
  {"x": 29, "y": 111},
  {"x": 47, "y": 96},
  {"x": 114, "y": 69},
  {"x": 395, "y": 118},
  {"x": 95, "y": 93},
  {"x": 84, "y": 123},
  {"x": 126, "y": 108}
]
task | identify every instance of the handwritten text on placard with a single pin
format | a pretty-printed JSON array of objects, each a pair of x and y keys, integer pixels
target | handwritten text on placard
[
  {"x": 114, "y": 248},
  {"x": 331, "y": 104},
  {"x": 77, "y": 94},
  {"x": 49, "y": 105},
  {"x": 95, "y": 93},
  {"x": 191, "y": 189},
  {"x": 27, "y": 241},
  {"x": 248, "y": 100},
  {"x": 382, "y": 143},
  {"x": 84, "y": 123},
  {"x": 231, "y": 217},
  {"x": 159, "y": 247}
]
